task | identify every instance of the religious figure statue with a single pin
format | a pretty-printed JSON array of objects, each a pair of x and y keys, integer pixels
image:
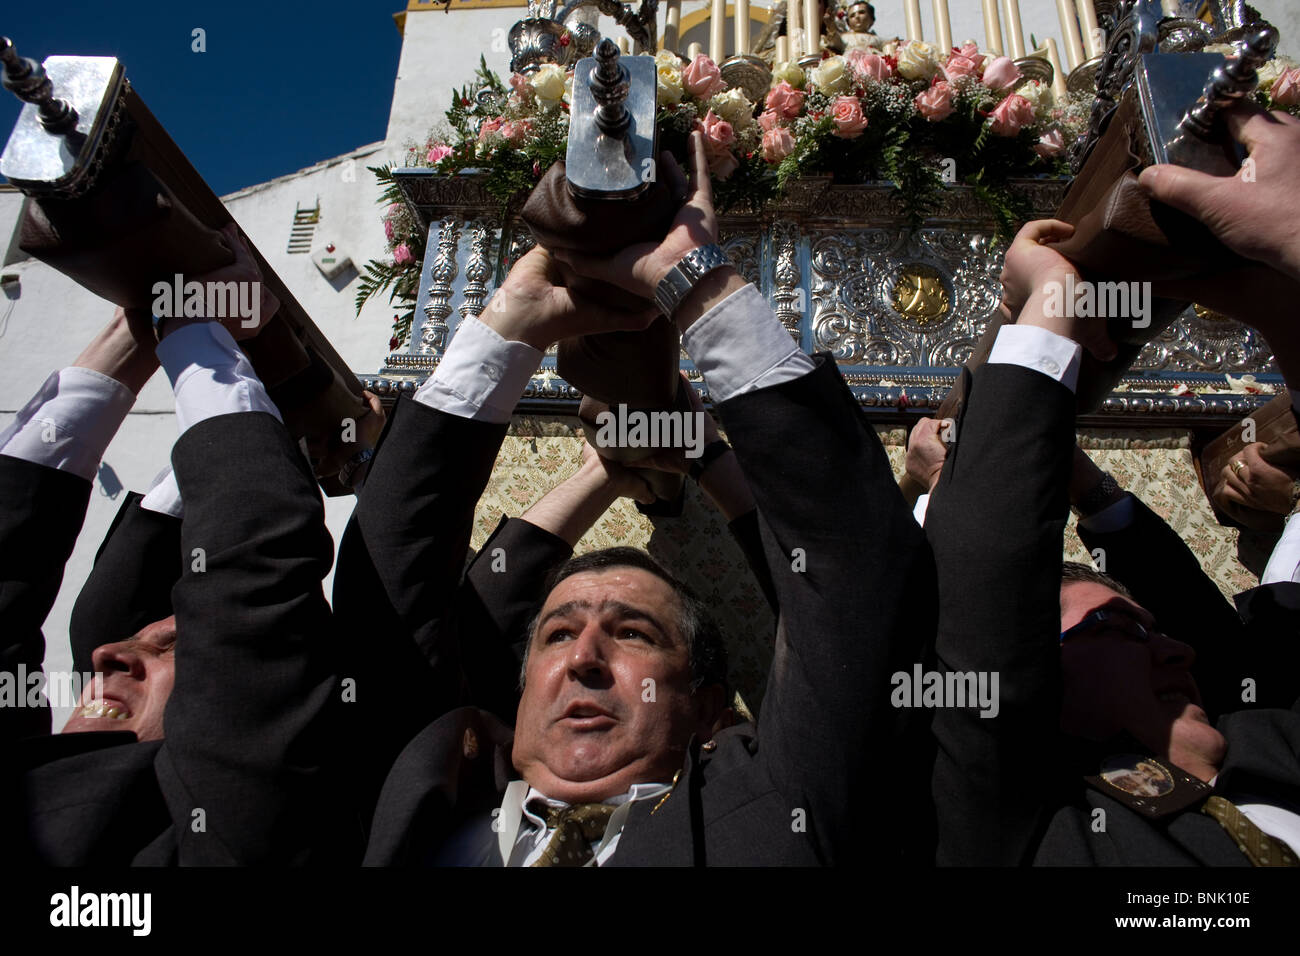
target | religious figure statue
[{"x": 859, "y": 17}]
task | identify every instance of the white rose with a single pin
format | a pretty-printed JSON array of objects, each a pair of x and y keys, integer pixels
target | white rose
[
  {"x": 667, "y": 58},
  {"x": 734, "y": 108},
  {"x": 831, "y": 75},
  {"x": 1039, "y": 95},
  {"x": 918, "y": 61},
  {"x": 669, "y": 88},
  {"x": 548, "y": 84},
  {"x": 790, "y": 72}
]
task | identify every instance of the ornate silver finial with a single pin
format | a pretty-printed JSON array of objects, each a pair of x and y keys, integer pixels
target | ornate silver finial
[
  {"x": 27, "y": 79},
  {"x": 609, "y": 86},
  {"x": 1233, "y": 79}
]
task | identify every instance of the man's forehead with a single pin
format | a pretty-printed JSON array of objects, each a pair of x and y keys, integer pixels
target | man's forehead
[
  {"x": 158, "y": 632},
  {"x": 612, "y": 590},
  {"x": 1081, "y": 598}
]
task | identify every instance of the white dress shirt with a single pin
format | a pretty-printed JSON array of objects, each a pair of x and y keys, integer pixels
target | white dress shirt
[
  {"x": 739, "y": 346},
  {"x": 70, "y": 421},
  {"x": 523, "y": 835}
]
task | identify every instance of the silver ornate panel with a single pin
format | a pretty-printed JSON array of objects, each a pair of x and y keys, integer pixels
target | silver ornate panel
[{"x": 900, "y": 312}]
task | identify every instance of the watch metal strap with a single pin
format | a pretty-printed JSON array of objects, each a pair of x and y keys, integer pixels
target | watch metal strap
[{"x": 686, "y": 274}]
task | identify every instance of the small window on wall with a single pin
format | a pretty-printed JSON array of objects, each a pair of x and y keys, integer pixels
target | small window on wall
[{"x": 304, "y": 228}]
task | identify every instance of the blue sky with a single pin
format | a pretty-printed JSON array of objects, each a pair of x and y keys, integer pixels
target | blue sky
[{"x": 281, "y": 85}]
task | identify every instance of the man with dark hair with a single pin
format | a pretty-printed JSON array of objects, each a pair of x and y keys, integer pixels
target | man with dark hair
[
  {"x": 204, "y": 738},
  {"x": 1091, "y": 681},
  {"x": 619, "y": 754}
]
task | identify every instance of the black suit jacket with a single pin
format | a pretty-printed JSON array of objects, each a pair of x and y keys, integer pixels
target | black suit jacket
[
  {"x": 796, "y": 788},
  {"x": 239, "y": 778},
  {"x": 1010, "y": 789}
]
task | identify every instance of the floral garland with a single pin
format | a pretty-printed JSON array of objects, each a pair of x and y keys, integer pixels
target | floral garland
[{"x": 904, "y": 113}]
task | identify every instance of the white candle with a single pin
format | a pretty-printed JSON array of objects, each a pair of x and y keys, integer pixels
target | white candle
[
  {"x": 1015, "y": 32},
  {"x": 741, "y": 17},
  {"x": 992, "y": 27},
  {"x": 693, "y": 51},
  {"x": 912, "y": 11},
  {"x": 942, "y": 27},
  {"x": 794, "y": 26},
  {"x": 623, "y": 46},
  {"x": 1058, "y": 74},
  {"x": 673, "y": 25},
  {"x": 782, "y": 54},
  {"x": 717, "y": 23},
  {"x": 812, "y": 27},
  {"x": 1169, "y": 7},
  {"x": 1070, "y": 32},
  {"x": 1092, "y": 38}
]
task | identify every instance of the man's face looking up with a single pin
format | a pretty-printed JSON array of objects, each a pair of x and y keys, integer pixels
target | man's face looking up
[
  {"x": 137, "y": 680},
  {"x": 607, "y": 701}
]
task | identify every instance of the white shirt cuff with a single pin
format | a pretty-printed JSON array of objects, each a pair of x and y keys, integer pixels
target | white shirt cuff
[
  {"x": 481, "y": 375},
  {"x": 1284, "y": 562},
  {"x": 1116, "y": 516},
  {"x": 740, "y": 346},
  {"x": 210, "y": 375},
  {"x": 918, "y": 510},
  {"x": 1031, "y": 347},
  {"x": 69, "y": 422},
  {"x": 164, "y": 495}
]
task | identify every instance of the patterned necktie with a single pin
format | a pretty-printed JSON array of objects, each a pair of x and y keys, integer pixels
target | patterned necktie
[
  {"x": 1260, "y": 848},
  {"x": 576, "y": 827}
]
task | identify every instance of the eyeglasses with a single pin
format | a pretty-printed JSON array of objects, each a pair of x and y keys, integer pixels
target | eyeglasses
[{"x": 1104, "y": 618}]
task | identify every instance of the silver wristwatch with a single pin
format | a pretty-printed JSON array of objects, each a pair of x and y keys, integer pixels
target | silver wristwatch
[{"x": 686, "y": 274}]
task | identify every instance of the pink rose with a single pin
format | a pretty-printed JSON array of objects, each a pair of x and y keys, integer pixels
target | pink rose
[
  {"x": 777, "y": 144},
  {"x": 1050, "y": 144},
  {"x": 402, "y": 255},
  {"x": 1286, "y": 88},
  {"x": 768, "y": 120},
  {"x": 388, "y": 229},
  {"x": 718, "y": 137},
  {"x": 847, "y": 113},
  {"x": 869, "y": 66},
  {"x": 489, "y": 127},
  {"x": 971, "y": 52},
  {"x": 936, "y": 102},
  {"x": 437, "y": 153},
  {"x": 717, "y": 131},
  {"x": 519, "y": 83},
  {"x": 516, "y": 131},
  {"x": 958, "y": 65},
  {"x": 1011, "y": 114},
  {"x": 702, "y": 78},
  {"x": 785, "y": 100},
  {"x": 721, "y": 162},
  {"x": 1001, "y": 73}
]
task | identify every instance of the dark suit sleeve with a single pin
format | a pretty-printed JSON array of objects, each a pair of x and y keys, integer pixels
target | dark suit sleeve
[
  {"x": 130, "y": 584},
  {"x": 503, "y": 589},
  {"x": 749, "y": 535},
  {"x": 996, "y": 520},
  {"x": 396, "y": 586},
  {"x": 1166, "y": 578},
  {"x": 41, "y": 515},
  {"x": 855, "y": 586},
  {"x": 246, "y": 735}
]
